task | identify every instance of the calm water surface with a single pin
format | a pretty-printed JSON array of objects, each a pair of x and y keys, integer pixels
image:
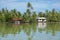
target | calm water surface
[{"x": 33, "y": 31}]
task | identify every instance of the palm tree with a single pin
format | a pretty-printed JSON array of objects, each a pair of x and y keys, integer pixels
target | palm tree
[
  {"x": 40, "y": 14},
  {"x": 28, "y": 11},
  {"x": 29, "y": 5},
  {"x": 33, "y": 17}
]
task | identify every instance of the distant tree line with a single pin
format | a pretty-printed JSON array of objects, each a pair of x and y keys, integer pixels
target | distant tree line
[{"x": 29, "y": 15}]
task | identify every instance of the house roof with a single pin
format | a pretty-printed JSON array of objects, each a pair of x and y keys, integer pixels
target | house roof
[
  {"x": 16, "y": 19},
  {"x": 41, "y": 18}
]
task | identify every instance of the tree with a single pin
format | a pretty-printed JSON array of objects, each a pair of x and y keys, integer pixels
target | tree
[
  {"x": 33, "y": 17},
  {"x": 28, "y": 11},
  {"x": 29, "y": 6},
  {"x": 25, "y": 17},
  {"x": 54, "y": 15},
  {"x": 40, "y": 14}
]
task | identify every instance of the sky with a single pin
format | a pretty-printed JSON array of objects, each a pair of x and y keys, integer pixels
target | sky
[{"x": 38, "y": 5}]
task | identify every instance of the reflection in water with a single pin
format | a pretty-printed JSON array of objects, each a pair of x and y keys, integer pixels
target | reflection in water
[
  {"x": 41, "y": 25},
  {"x": 42, "y": 31}
]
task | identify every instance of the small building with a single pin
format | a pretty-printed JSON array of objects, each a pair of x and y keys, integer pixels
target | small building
[
  {"x": 17, "y": 20},
  {"x": 41, "y": 19}
]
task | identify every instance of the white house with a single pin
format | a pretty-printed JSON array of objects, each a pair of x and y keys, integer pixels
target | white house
[{"x": 41, "y": 19}]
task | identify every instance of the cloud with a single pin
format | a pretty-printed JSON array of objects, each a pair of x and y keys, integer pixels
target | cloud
[
  {"x": 39, "y": 5},
  {"x": 23, "y": 5},
  {"x": 16, "y": 5},
  {"x": 20, "y": 6},
  {"x": 56, "y": 5},
  {"x": 7, "y": 1}
]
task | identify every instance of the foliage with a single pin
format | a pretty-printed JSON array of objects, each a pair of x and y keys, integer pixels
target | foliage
[{"x": 29, "y": 15}]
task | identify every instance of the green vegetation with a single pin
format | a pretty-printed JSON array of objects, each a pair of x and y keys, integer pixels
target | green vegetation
[
  {"x": 9, "y": 28},
  {"x": 29, "y": 15}
]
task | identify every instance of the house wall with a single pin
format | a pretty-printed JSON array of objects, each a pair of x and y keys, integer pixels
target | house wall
[{"x": 17, "y": 22}]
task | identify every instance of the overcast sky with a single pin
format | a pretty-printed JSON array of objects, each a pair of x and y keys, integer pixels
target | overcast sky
[{"x": 38, "y": 5}]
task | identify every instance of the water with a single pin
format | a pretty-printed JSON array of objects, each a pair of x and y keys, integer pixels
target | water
[{"x": 34, "y": 31}]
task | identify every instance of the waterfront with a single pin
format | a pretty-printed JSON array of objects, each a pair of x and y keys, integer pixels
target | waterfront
[{"x": 33, "y": 31}]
